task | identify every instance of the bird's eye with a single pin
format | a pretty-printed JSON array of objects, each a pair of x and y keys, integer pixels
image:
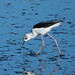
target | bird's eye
[
  {"x": 25, "y": 37},
  {"x": 25, "y": 73}
]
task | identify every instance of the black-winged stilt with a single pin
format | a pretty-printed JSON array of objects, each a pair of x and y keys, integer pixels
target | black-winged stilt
[{"x": 41, "y": 29}]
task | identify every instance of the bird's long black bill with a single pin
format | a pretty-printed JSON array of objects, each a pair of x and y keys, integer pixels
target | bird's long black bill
[{"x": 22, "y": 44}]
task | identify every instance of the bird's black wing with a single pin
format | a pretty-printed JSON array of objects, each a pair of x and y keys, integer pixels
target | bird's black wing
[{"x": 45, "y": 24}]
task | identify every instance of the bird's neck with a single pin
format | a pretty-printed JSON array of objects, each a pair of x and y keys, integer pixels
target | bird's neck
[{"x": 32, "y": 35}]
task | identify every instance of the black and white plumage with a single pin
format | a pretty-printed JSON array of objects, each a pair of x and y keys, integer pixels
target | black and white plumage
[
  {"x": 45, "y": 24},
  {"x": 41, "y": 29},
  {"x": 45, "y": 27}
]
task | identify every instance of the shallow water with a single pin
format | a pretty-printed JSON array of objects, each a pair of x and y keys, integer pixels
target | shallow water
[{"x": 17, "y": 18}]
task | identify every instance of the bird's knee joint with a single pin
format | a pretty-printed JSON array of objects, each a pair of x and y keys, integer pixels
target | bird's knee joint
[
  {"x": 43, "y": 44},
  {"x": 55, "y": 40}
]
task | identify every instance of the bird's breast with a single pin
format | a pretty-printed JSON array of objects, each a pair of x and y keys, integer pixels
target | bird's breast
[{"x": 41, "y": 31}]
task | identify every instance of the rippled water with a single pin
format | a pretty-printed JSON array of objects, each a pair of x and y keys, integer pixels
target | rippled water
[{"x": 17, "y": 17}]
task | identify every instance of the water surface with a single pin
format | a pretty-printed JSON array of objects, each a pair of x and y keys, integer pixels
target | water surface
[{"x": 17, "y": 17}]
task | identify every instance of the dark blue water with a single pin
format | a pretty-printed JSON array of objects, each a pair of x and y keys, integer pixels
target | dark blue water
[{"x": 17, "y": 17}]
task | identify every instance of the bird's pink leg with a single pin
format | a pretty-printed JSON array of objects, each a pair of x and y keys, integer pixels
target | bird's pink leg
[
  {"x": 56, "y": 43},
  {"x": 41, "y": 46}
]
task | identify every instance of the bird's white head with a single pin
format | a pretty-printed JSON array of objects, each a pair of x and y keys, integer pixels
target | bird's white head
[{"x": 27, "y": 37}]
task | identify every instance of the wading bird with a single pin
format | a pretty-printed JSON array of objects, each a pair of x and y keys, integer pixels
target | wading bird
[{"x": 41, "y": 29}]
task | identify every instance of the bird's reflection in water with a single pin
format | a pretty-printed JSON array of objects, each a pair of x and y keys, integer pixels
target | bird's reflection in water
[
  {"x": 56, "y": 66},
  {"x": 41, "y": 64},
  {"x": 44, "y": 65},
  {"x": 28, "y": 72}
]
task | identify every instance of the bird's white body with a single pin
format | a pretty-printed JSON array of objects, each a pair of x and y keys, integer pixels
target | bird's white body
[{"x": 43, "y": 31}]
